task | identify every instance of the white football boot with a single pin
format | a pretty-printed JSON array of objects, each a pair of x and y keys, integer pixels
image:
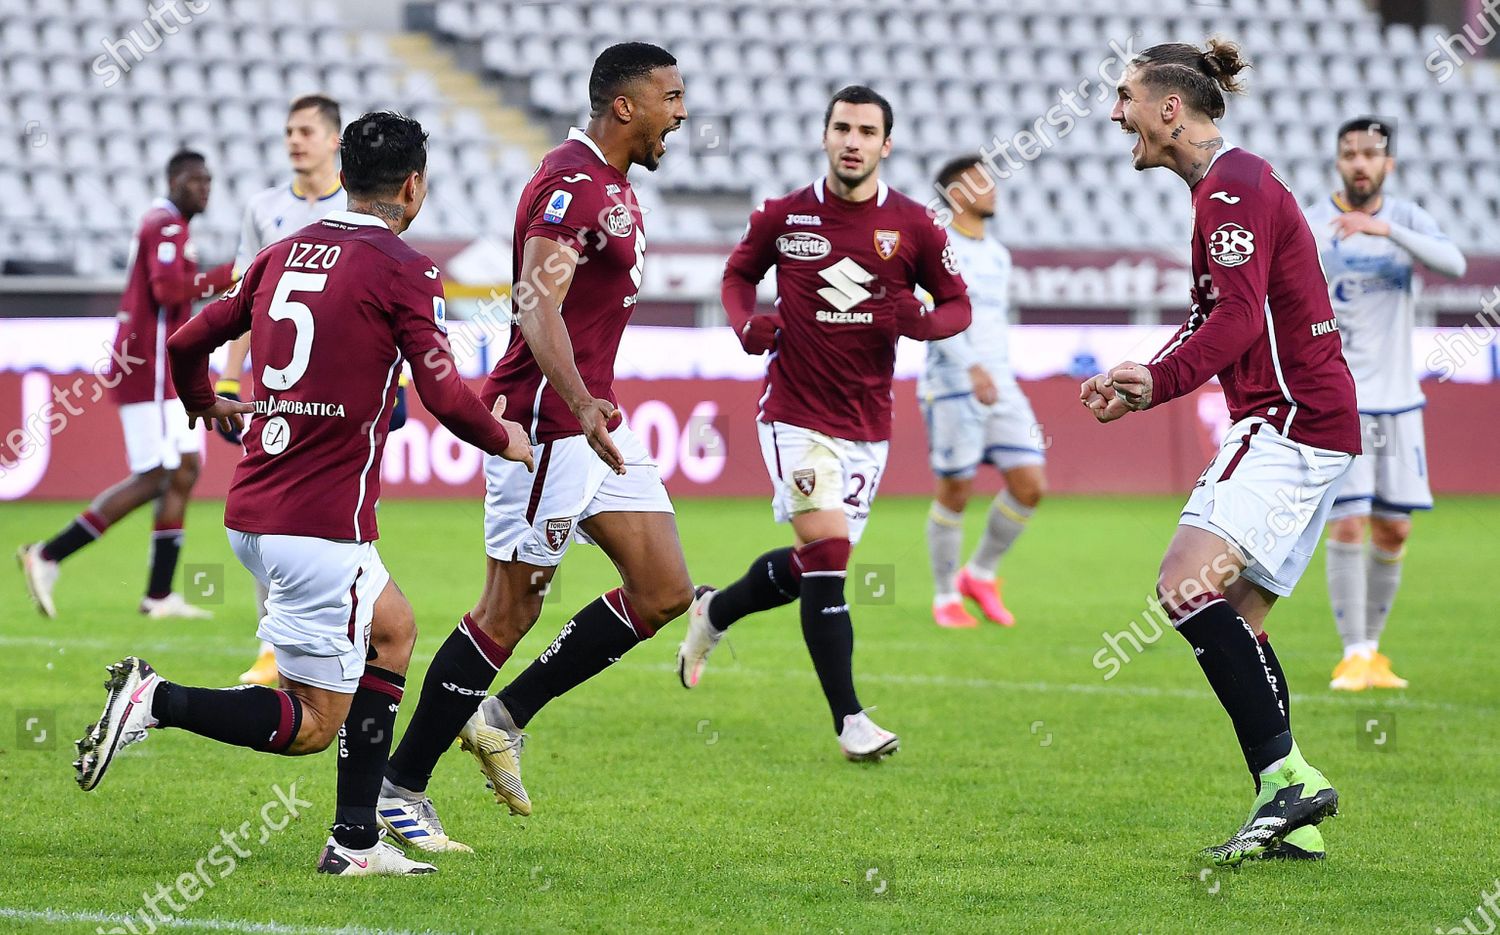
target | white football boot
[
  {"x": 414, "y": 822},
  {"x": 700, "y": 639},
  {"x": 173, "y": 605},
  {"x": 384, "y": 859},
  {"x": 863, "y": 739},
  {"x": 127, "y": 716},
  {"x": 41, "y": 577},
  {"x": 496, "y": 742}
]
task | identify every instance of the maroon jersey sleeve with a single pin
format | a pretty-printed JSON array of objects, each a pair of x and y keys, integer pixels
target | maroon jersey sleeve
[
  {"x": 418, "y": 313},
  {"x": 747, "y": 266},
  {"x": 570, "y": 210},
  {"x": 1238, "y": 227},
  {"x": 937, "y": 272},
  {"x": 173, "y": 274},
  {"x": 224, "y": 319}
]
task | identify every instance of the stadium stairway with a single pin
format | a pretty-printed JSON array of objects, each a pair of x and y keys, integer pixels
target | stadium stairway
[{"x": 461, "y": 88}]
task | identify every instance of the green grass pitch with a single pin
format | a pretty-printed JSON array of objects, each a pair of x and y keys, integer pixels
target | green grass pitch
[{"x": 1029, "y": 794}]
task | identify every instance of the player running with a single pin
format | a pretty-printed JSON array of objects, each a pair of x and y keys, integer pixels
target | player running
[
  {"x": 849, "y": 253},
  {"x": 1370, "y": 242},
  {"x": 163, "y": 450},
  {"x": 976, "y": 413},
  {"x": 332, "y": 312},
  {"x": 1261, "y": 322},
  {"x": 312, "y": 147},
  {"x": 579, "y": 249}
]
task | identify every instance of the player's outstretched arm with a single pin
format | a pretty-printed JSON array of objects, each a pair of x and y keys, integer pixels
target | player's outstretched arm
[
  {"x": 542, "y": 283},
  {"x": 417, "y": 308},
  {"x": 175, "y": 283},
  {"x": 187, "y": 354}
]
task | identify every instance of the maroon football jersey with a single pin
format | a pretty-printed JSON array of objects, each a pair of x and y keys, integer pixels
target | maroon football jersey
[
  {"x": 163, "y": 282},
  {"x": 846, "y": 275},
  {"x": 332, "y": 310},
  {"x": 577, "y": 199},
  {"x": 1261, "y": 319}
]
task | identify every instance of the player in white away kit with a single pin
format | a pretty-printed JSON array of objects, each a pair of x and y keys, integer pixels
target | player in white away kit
[
  {"x": 976, "y": 413},
  {"x": 1369, "y": 243},
  {"x": 312, "y": 146}
]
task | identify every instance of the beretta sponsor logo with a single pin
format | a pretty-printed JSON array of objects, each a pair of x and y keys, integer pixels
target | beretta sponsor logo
[{"x": 803, "y": 245}]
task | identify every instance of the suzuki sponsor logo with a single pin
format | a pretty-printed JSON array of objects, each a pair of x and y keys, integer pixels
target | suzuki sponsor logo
[{"x": 845, "y": 318}]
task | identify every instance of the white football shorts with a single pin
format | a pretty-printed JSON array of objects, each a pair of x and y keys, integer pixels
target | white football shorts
[
  {"x": 813, "y": 471},
  {"x": 157, "y": 435},
  {"x": 962, "y": 434},
  {"x": 1269, "y": 496},
  {"x": 1390, "y": 478},
  {"x": 533, "y": 518},
  {"x": 320, "y": 601}
]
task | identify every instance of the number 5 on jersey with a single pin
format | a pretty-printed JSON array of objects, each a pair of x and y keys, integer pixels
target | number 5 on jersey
[{"x": 284, "y": 309}]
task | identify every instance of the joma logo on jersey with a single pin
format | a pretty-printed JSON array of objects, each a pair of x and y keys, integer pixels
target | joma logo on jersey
[
  {"x": 801, "y": 245},
  {"x": 886, "y": 243},
  {"x": 807, "y": 220},
  {"x": 1320, "y": 328}
]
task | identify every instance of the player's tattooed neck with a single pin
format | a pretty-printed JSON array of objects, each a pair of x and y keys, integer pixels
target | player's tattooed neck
[
  {"x": 1197, "y": 170},
  {"x": 390, "y": 213},
  {"x": 1178, "y": 132}
]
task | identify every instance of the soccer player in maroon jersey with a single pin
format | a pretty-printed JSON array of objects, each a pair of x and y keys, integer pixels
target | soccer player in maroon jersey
[
  {"x": 163, "y": 451},
  {"x": 332, "y": 312},
  {"x": 579, "y": 249},
  {"x": 1262, "y": 323},
  {"x": 848, "y": 253}
]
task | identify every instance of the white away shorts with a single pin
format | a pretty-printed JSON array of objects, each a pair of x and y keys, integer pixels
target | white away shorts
[
  {"x": 962, "y": 434},
  {"x": 813, "y": 471},
  {"x": 1270, "y": 497},
  {"x": 1390, "y": 478},
  {"x": 319, "y": 604},
  {"x": 533, "y": 518},
  {"x": 157, "y": 435}
]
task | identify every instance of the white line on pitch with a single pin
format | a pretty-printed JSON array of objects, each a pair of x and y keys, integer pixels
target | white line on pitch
[
  {"x": 68, "y": 917},
  {"x": 1139, "y": 691}
]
